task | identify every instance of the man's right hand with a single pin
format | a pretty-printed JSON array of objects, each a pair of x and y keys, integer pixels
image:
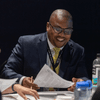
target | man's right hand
[{"x": 28, "y": 83}]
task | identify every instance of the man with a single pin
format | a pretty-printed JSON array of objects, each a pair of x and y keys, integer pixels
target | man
[{"x": 33, "y": 51}]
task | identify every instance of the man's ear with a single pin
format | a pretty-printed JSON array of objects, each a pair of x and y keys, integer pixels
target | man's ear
[{"x": 47, "y": 27}]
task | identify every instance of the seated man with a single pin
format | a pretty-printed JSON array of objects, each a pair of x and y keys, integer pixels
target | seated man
[
  {"x": 54, "y": 48},
  {"x": 21, "y": 91}
]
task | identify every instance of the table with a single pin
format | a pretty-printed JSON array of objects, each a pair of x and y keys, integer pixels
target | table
[{"x": 48, "y": 95}]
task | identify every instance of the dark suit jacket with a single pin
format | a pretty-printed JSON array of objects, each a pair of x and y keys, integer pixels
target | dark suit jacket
[{"x": 29, "y": 56}]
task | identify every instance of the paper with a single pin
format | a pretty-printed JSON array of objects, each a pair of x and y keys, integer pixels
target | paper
[
  {"x": 45, "y": 93},
  {"x": 6, "y": 83},
  {"x": 48, "y": 95},
  {"x": 29, "y": 97},
  {"x": 17, "y": 97},
  {"x": 48, "y": 78},
  {"x": 62, "y": 97},
  {"x": 10, "y": 96}
]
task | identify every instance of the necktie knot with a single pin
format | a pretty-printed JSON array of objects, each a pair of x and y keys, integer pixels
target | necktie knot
[{"x": 56, "y": 50}]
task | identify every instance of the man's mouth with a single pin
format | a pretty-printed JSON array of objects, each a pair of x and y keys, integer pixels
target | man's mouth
[{"x": 60, "y": 39}]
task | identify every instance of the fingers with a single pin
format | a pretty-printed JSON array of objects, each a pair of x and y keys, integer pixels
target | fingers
[
  {"x": 28, "y": 82},
  {"x": 74, "y": 79},
  {"x": 34, "y": 86},
  {"x": 34, "y": 91},
  {"x": 31, "y": 92},
  {"x": 79, "y": 80},
  {"x": 72, "y": 88},
  {"x": 22, "y": 95},
  {"x": 31, "y": 84},
  {"x": 34, "y": 94},
  {"x": 24, "y": 90}
]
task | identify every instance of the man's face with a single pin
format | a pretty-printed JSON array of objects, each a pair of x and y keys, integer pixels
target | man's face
[{"x": 58, "y": 40}]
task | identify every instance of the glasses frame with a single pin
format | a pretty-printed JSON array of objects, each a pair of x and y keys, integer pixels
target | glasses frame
[{"x": 62, "y": 30}]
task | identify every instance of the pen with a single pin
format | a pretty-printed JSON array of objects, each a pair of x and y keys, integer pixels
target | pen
[{"x": 31, "y": 81}]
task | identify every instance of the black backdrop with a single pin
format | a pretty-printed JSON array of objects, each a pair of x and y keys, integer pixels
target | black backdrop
[{"x": 22, "y": 17}]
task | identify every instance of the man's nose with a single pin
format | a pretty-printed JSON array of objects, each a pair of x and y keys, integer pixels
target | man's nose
[{"x": 62, "y": 34}]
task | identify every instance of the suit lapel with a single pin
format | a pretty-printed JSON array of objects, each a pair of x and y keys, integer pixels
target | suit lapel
[
  {"x": 42, "y": 50},
  {"x": 66, "y": 58}
]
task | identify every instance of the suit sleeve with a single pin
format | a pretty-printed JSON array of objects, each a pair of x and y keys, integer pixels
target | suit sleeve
[
  {"x": 14, "y": 66},
  {"x": 81, "y": 71}
]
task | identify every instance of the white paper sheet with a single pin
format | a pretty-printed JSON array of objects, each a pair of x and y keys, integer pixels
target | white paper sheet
[
  {"x": 6, "y": 83},
  {"x": 17, "y": 97},
  {"x": 48, "y": 95},
  {"x": 45, "y": 93},
  {"x": 48, "y": 78}
]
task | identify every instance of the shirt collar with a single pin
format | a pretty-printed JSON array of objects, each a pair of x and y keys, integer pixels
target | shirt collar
[{"x": 51, "y": 46}]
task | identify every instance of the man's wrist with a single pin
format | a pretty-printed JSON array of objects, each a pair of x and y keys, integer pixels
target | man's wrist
[{"x": 13, "y": 86}]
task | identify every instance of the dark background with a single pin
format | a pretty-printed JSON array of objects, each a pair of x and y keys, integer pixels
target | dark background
[{"x": 22, "y": 17}]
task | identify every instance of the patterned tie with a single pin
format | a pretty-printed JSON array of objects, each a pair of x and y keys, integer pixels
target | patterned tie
[
  {"x": 57, "y": 68},
  {"x": 55, "y": 58}
]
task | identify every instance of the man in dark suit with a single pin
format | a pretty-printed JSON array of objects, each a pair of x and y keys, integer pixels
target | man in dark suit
[{"x": 33, "y": 51}]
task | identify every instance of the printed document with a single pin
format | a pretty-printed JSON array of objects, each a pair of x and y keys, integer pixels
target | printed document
[
  {"x": 17, "y": 97},
  {"x": 48, "y": 78},
  {"x": 48, "y": 95},
  {"x": 6, "y": 83}
]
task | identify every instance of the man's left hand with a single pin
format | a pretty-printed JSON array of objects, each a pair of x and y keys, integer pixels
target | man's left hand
[{"x": 73, "y": 86}]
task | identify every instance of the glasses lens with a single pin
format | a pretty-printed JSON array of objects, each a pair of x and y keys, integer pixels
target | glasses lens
[
  {"x": 68, "y": 31},
  {"x": 57, "y": 30}
]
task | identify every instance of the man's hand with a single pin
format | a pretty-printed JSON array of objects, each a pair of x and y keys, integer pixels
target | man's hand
[
  {"x": 27, "y": 82},
  {"x": 23, "y": 90},
  {"x": 73, "y": 86}
]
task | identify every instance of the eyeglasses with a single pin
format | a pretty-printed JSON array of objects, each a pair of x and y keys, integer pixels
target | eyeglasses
[{"x": 67, "y": 31}]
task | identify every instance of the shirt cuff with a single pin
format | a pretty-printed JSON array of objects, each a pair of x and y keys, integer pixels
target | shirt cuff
[{"x": 20, "y": 81}]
